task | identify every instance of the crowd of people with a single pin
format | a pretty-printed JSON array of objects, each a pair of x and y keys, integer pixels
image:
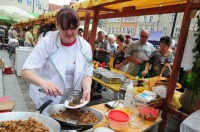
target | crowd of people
[
  {"x": 25, "y": 36},
  {"x": 138, "y": 58}
]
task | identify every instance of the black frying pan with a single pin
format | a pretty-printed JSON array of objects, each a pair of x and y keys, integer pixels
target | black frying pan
[{"x": 58, "y": 107}]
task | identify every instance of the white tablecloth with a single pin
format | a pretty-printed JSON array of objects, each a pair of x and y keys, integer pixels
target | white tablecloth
[{"x": 191, "y": 123}]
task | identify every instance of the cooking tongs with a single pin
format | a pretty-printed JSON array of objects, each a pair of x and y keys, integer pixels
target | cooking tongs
[{"x": 74, "y": 96}]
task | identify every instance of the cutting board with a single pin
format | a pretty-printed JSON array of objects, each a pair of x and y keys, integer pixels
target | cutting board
[{"x": 6, "y": 106}]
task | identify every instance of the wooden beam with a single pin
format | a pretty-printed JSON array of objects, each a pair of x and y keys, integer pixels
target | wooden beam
[
  {"x": 195, "y": 5},
  {"x": 177, "y": 113},
  {"x": 177, "y": 62},
  {"x": 149, "y": 11},
  {"x": 94, "y": 29},
  {"x": 86, "y": 26},
  {"x": 157, "y": 104},
  {"x": 129, "y": 8}
]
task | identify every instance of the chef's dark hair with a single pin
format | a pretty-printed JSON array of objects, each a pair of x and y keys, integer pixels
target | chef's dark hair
[
  {"x": 67, "y": 18},
  {"x": 166, "y": 40}
]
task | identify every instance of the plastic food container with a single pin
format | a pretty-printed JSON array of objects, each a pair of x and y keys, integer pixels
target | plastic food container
[
  {"x": 118, "y": 120},
  {"x": 149, "y": 113}
]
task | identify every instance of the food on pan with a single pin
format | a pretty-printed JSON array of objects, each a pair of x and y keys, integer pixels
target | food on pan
[
  {"x": 30, "y": 125},
  {"x": 78, "y": 115},
  {"x": 73, "y": 103}
]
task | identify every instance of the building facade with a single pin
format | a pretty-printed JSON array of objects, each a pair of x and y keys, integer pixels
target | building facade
[
  {"x": 31, "y": 6},
  {"x": 129, "y": 25},
  {"x": 113, "y": 25},
  {"x": 148, "y": 22},
  {"x": 166, "y": 24}
]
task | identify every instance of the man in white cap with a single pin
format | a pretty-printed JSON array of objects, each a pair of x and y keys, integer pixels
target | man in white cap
[{"x": 128, "y": 39}]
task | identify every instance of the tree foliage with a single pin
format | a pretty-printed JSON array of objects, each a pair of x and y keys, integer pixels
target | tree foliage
[{"x": 194, "y": 76}]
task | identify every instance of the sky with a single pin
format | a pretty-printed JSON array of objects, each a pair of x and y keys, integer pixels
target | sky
[{"x": 60, "y": 2}]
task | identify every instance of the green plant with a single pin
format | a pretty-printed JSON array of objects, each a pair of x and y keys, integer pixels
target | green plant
[{"x": 194, "y": 75}]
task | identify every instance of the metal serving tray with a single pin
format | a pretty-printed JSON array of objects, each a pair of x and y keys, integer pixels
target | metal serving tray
[
  {"x": 111, "y": 77},
  {"x": 98, "y": 72}
]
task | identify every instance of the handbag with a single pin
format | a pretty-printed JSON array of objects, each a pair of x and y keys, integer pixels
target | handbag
[{"x": 119, "y": 57}]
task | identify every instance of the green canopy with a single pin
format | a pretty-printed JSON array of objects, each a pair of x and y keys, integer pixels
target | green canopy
[
  {"x": 7, "y": 21},
  {"x": 36, "y": 15}
]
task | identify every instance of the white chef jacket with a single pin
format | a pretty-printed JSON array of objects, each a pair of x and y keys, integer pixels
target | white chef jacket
[{"x": 47, "y": 61}]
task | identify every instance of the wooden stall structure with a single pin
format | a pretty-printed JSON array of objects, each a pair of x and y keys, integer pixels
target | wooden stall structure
[{"x": 103, "y": 9}]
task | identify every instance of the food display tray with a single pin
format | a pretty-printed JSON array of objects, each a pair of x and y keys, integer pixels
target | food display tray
[
  {"x": 111, "y": 77},
  {"x": 98, "y": 72}
]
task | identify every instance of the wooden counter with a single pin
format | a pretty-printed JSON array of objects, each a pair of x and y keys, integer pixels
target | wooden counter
[{"x": 104, "y": 123}]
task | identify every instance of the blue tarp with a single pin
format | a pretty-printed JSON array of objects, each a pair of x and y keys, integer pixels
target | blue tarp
[{"x": 154, "y": 37}]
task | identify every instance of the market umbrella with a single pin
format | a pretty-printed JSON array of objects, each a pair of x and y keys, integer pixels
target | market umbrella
[{"x": 14, "y": 13}]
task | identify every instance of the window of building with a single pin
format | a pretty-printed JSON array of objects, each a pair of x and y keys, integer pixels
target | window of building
[
  {"x": 129, "y": 30},
  {"x": 140, "y": 29},
  {"x": 116, "y": 30},
  {"x": 165, "y": 30},
  {"x": 172, "y": 18},
  {"x": 145, "y": 18},
  {"x": 29, "y": 2},
  {"x": 152, "y": 29},
  {"x": 20, "y": 1},
  {"x": 37, "y": 3},
  {"x": 123, "y": 30},
  {"x": 113, "y": 30},
  {"x": 114, "y": 20},
  {"x": 177, "y": 32},
  {"x": 151, "y": 19},
  {"x": 109, "y": 30}
]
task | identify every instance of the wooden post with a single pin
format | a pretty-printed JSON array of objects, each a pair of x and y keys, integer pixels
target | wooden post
[
  {"x": 94, "y": 29},
  {"x": 86, "y": 25},
  {"x": 177, "y": 62}
]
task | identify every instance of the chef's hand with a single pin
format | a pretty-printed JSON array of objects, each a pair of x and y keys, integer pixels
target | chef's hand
[
  {"x": 86, "y": 95},
  {"x": 51, "y": 88}
]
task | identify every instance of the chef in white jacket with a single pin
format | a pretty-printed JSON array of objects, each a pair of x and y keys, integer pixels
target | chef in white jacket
[{"x": 60, "y": 62}]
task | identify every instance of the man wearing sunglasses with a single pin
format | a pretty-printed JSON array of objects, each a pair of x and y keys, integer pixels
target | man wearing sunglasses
[{"x": 138, "y": 53}]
